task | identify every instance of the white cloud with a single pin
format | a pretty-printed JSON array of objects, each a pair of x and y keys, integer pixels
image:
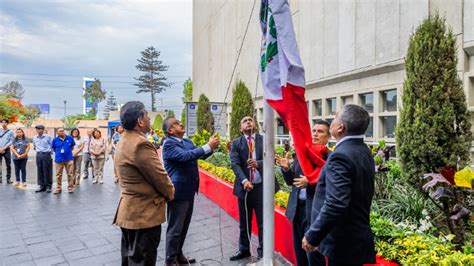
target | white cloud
[{"x": 94, "y": 38}]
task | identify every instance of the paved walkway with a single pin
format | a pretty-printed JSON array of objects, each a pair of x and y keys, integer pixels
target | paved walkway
[{"x": 76, "y": 229}]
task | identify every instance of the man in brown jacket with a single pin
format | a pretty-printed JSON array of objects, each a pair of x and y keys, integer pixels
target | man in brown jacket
[{"x": 145, "y": 188}]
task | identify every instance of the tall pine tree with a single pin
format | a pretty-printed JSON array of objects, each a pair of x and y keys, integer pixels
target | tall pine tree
[
  {"x": 153, "y": 80},
  {"x": 242, "y": 106},
  {"x": 111, "y": 105}
]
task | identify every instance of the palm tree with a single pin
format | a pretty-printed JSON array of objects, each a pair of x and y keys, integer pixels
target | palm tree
[{"x": 70, "y": 122}]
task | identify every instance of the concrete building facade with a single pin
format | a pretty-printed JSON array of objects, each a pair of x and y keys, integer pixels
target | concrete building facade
[{"x": 353, "y": 52}]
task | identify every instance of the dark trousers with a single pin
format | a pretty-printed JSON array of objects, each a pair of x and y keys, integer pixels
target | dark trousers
[
  {"x": 314, "y": 258},
  {"x": 254, "y": 202},
  {"x": 179, "y": 217},
  {"x": 20, "y": 168},
  {"x": 140, "y": 246},
  {"x": 44, "y": 168},
  {"x": 299, "y": 228},
  {"x": 8, "y": 162}
]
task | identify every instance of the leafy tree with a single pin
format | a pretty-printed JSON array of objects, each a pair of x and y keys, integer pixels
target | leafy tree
[
  {"x": 30, "y": 115},
  {"x": 10, "y": 108},
  {"x": 242, "y": 106},
  {"x": 13, "y": 90},
  {"x": 94, "y": 94},
  {"x": 205, "y": 120},
  {"x": 70, "y": 122},
  {"x": 188, "y": 96},
  {"x": 153, "y": 80},
  {"x": 111, "y": 105},
  {"x": 433, "y": 133}
]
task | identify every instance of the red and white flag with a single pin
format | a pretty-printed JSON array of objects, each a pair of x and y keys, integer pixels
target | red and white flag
[{"x": 284, "y": 81}]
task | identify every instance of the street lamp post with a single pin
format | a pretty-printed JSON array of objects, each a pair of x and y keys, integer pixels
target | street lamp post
[{"x": 65, "y": 102}]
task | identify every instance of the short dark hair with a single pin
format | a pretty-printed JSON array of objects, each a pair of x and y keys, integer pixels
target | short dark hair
[
  {"x": 5, "y": 120},
  {"x": 166, "y": 126},
  {"x": 130, "y": 112},
  {"x": 322, "y": 122},
  {"x": 355, "y": 119}
]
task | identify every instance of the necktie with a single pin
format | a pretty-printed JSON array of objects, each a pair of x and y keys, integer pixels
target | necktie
[{"x": 250, "y": 144}]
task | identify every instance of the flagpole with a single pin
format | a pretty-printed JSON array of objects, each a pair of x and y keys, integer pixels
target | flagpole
[{"x": 269, "y": 184}]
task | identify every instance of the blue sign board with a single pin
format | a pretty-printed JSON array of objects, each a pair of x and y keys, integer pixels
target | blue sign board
[{"x": 89, "y": 104}]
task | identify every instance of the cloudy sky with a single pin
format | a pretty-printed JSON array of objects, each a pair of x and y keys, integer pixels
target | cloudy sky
[{"x": 48, "y": 46}]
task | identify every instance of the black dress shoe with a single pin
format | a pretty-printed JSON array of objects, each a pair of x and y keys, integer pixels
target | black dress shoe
[
  {"x": 259, "y": 257},
  {"x": 41, "y": 189},
  {"x": 9, "y": 182},
  {"x": 240, "y": 255},
  {"x": 48, "y": 190},
  {"x": 183, "y": 260}
]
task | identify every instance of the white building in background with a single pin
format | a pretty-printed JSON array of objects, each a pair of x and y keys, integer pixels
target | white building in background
[{"x": 353, "y": 52}]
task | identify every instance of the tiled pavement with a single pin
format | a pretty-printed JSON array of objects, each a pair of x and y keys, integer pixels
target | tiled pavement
[{"x": 76, "y": 229}]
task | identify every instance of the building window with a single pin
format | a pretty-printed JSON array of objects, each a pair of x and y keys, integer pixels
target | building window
[
  {"x": 281, "y": 129},
  {"x": 332, "y": 106},
  {"x": 260, "y": 111},
  {"x": 370, "y": 129},
  {"x": 367, "y": 101},
  {"x": 389, "y": 100},
  {"x": 347, "y": 100},
  {"x": 318, "y": 107},
  {"x": 388, "y": 126}
]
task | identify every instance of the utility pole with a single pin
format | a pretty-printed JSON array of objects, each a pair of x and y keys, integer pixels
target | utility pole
[{"x": 65, "y": 102}]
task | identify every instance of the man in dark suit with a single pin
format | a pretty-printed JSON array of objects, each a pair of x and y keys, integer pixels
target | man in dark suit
[
  {"x": 246, "y": 157},
  {"x": 180, "y": 159},
  {"x": 340, "y": 220},
  {"x": 300, "y": 197}
]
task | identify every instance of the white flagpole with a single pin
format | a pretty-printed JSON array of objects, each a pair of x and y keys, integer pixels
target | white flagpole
[{"x": 269, "y": 184}]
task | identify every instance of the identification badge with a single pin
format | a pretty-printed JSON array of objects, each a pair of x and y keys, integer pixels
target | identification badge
[{"x": 62, "y": 150}]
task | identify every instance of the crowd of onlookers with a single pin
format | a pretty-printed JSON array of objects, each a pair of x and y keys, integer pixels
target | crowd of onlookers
[{"x": 71, "y": 153}]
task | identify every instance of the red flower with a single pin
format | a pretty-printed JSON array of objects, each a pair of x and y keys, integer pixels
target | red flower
[{"x": 448, "y": 173}]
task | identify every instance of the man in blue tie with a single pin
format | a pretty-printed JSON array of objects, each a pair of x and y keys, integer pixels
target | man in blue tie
[{"x": 180, "y": 159}]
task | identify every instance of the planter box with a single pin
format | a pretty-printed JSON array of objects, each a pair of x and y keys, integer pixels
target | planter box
[{"x": 220, "y": 192}]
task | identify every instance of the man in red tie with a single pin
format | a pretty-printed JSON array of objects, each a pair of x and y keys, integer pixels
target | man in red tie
[{"x": 246, "y": 158}]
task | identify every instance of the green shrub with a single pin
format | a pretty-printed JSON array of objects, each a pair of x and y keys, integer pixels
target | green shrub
[
  {"x": 434, "y": 129},
  {"x": 205, "y": 120},
  {"x": 242, "y": 106},
  {"x": 219, "y": 159},
  {"x": 200, "y": 139},
  {"x": 281, "y": 180}
]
